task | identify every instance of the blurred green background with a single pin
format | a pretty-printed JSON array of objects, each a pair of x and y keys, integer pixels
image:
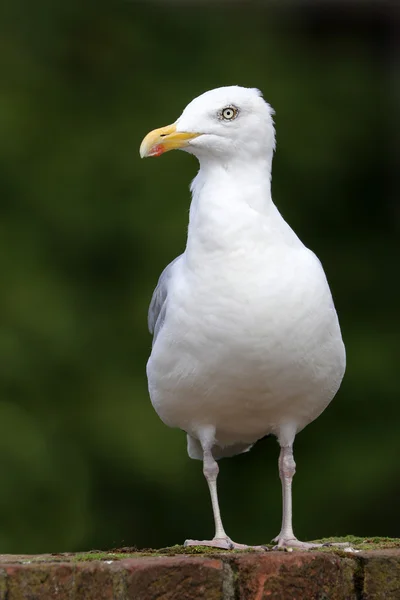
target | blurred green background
[{"x": 86, "y": 228}]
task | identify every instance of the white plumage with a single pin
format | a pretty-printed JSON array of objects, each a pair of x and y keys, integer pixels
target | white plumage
[{"x": 246, "y": 336}]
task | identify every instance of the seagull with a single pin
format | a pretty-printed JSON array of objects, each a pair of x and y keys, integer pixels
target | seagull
[{"x": 246, "y": 339}]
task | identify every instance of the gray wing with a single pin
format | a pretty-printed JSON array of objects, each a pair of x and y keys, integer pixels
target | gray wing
[{"x": 157, "y": 308}]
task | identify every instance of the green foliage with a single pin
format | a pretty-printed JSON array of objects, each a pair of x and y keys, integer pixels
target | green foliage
[{"x": 86, "y": 228}]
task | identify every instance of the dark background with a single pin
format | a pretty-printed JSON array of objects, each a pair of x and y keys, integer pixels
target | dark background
[{"x": 86, "y": 228}]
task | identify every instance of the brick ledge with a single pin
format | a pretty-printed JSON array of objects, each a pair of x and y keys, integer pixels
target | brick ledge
[{"x": 370, "y": 575}]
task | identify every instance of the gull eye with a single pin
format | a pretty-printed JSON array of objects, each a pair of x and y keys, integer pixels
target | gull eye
[{"x": 229, "y": 113}]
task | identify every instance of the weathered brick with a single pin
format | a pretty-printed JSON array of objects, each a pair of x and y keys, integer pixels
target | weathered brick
[
  {"x": 183, "y": 578},
  {"x": 381, "y": 571},
  {"x": 93, "y": 581},
  {"x": 295, "y": 576},
  {"x": 39, "y": 581}
]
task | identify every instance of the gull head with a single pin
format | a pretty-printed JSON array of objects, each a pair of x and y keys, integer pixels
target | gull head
[{"x": 225, "y": 123}]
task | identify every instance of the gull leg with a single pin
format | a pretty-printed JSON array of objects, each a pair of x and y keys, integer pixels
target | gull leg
[
  {"x": 220, "y": 539},
  {"x": 286, "y": 538},
  {"x": 211, "y": 470},
  {"x": 287, "y": 468}
]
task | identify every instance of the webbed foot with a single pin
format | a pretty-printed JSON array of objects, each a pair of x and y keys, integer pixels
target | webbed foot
[
  {"x": 284, "y": 543},
  {"x": 224, "y": 543}
]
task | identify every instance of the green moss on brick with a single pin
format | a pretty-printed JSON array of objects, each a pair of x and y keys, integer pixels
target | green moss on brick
[{"x": 364, "y": 543}]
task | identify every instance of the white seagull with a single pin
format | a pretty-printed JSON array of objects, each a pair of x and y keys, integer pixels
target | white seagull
[{"x": 246, "y": 337}]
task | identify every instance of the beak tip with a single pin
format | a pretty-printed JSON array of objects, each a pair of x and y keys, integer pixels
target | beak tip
[{"x": 142, "y": 151}]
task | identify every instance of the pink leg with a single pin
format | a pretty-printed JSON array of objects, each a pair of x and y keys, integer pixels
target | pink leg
[
  {"x": 287, "y": 468},
  {"x": 220, "y": 539},
  {"x": 286, "y": 538}
]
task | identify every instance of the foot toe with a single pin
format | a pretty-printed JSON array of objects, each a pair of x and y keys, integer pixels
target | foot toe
[
  {"x": 223, "y": 544},
  {"x": 285, "y": 543}
]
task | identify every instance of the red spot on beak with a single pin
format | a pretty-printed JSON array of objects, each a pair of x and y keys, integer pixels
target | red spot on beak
[{"x": 157, "y": 150}]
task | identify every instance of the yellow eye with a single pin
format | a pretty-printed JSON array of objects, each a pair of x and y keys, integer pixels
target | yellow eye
[{"x": 229, "y": 113}]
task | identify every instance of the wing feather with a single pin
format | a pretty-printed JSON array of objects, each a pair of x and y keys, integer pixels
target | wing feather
[{"x": 158, "y": 304}]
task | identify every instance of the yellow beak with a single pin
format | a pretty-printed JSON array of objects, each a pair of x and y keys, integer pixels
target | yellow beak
[{"x": 161, "y": 140}]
